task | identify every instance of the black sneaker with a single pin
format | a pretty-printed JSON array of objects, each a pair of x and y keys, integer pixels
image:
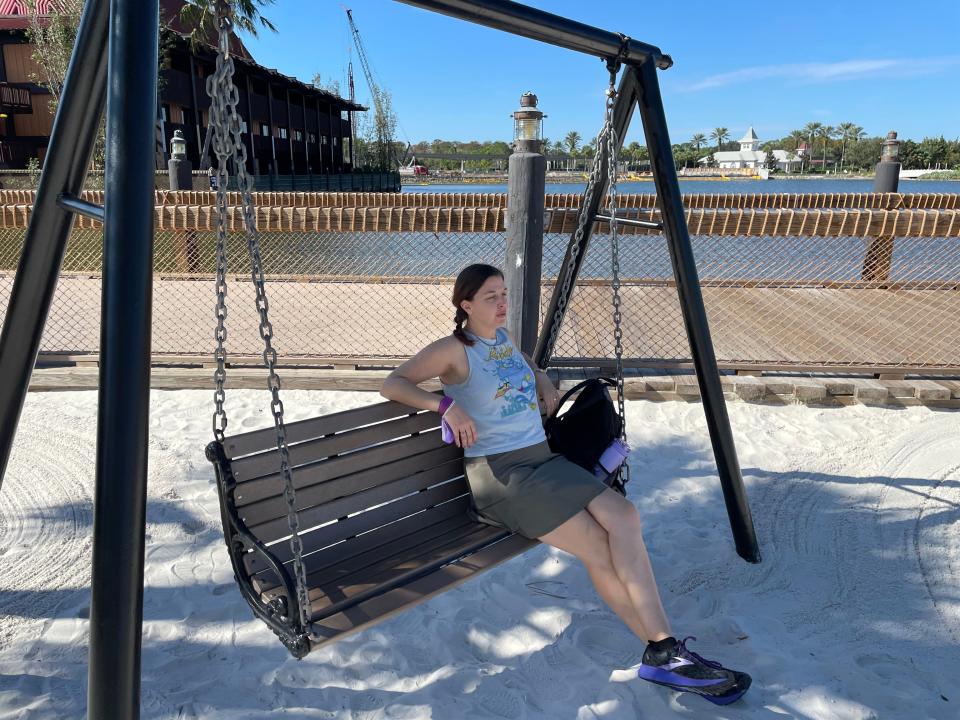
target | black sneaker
[{"x": 683, "y": 670}]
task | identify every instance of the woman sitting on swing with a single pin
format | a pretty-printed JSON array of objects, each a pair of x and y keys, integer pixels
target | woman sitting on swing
[{"x": 491, "y": 404}]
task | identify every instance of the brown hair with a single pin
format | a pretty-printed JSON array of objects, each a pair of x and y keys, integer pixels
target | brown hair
[{"x": 468, "y": 283}]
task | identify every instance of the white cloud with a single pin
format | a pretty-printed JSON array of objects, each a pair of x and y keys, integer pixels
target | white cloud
[{"x": 829, "y": 72}]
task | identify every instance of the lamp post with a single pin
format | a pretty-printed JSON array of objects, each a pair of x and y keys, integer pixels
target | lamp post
[
  {"x": 526, "y": 184},
  {"x": 179, "y": 168},
  {"x": 887, "y": 176}
]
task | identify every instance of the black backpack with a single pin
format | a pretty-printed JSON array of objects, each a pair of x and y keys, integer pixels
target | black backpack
[{"x": 584, "y": 431}]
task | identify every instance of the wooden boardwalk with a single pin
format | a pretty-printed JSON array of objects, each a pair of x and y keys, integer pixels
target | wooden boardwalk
[{"x": 769, "y": 327}]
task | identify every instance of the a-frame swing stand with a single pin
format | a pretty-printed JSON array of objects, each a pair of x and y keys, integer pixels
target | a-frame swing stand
[{"x": 115, "y": 58}]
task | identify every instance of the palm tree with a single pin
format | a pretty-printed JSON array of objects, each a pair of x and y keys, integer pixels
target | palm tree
[
  {"x": 697, "y": 140},
  {"x": 201, "y": 16},
  {"x": 827, "y": 132},
  {"x": 721, "y": 135},
  {"x": 572, "y": 141},
  {"x": 848, "y": 131},
  {"x": 811, "y": 130}
]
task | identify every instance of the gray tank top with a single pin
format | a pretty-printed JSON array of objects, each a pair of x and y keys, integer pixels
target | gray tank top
[{"x": 500, "y": 395}]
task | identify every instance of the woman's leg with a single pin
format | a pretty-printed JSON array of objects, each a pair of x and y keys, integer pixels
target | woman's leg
[
  {"x": 621, "y": 520},
  {"x": 584, "y": 538}
]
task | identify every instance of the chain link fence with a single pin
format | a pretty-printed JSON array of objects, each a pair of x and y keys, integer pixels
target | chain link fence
[{"x": 376, "y": 297}]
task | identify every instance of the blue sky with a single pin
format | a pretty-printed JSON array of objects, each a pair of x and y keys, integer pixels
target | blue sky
[{"x": 883, "y": 65}]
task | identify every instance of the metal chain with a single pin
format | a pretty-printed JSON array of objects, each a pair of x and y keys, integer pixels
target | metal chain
[
  {"x": 582, "y": 221},
  {"x": 607, "y": 145},
  {"x": 228, "y": 146},
  {"x": 612, "y": 145}
]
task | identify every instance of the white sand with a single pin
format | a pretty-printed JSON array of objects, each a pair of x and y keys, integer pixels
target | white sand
[{"x": 854, "y": 612}]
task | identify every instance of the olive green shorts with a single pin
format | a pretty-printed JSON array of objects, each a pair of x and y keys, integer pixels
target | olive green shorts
[{"x": 531, "y": 491}]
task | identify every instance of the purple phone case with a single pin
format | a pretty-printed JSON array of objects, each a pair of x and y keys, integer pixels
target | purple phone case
[{"x": 446, "y": 433}]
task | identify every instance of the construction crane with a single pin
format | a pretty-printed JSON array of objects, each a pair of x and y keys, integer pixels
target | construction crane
[{"x": 383, "y": 119}]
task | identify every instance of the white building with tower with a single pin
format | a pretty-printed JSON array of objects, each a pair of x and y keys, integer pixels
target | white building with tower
[{"x": 751, "y": 156}]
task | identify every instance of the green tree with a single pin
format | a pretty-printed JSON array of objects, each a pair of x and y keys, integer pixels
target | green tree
[
  {"x": 698, "y": 140},
  {"x": 827, "y": 132},
  {"x": 572, "y": 141},
  {"x": 721, "y": 135},
  {"x": 810, "y": 131},
  {"x": 848, "y": 132}
]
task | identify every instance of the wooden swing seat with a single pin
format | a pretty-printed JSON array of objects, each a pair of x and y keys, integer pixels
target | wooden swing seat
[{"x": 382, "y": 504}]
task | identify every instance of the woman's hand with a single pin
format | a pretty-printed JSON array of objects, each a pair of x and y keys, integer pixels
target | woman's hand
[
  {"x": 550, "y": 396},
  {"x": 464, "y": 431}
]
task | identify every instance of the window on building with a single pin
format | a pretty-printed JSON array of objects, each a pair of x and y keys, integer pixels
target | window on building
[
  {"x": 298, "y": 135},
  {"x": 311, "y": 137},
  {"x": 324, "y": 140},
  {"x": 264, "y": 129},
  {"x": 334, "y": 140},
  {"x": 282, "y": 133},
  {"x": 344, "y": 115},
  {"x": 165, "y": 112}
]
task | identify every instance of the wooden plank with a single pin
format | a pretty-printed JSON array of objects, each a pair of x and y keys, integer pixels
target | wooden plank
[
  {"x": 839, "y": 386},
  {"x": 868, "y": 390},
  {"x": 254, "y": 562},
  {"x": 779, "y": 385},
  {"x": 663, "y": 383},
  {"x": 381, "y": 607},
  {"x": 344, "y": 441},
  {"x": 266, "y": 439},
  {"x": 388, "y": 564},
  {"x": 370, "y": 519},
  {"x": 687, "y": 386},
  {"x": 808, "y": 390},
  {"x": 952, "y": 385},
  {"x": 306, "y": 475},
  {"x": 930, "y": 390},
  {"x": 338, "y": 595},
  {"x": 270, "y": 524},
  {"x": 748, "y": 388},
  {"x": 952, "y": 404},
  {"x": 900, "y": 388},
  {"x": 326, "y": 491},
  {"x": 323, "y": 554}
]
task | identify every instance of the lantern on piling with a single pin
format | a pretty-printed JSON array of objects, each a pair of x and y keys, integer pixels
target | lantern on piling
[{"x": 528, "y": 124}]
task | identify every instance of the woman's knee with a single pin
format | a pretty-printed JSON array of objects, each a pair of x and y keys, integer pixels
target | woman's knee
[
  {"x": 617, "y": 515},
  {"x": 583, "y": 537}
]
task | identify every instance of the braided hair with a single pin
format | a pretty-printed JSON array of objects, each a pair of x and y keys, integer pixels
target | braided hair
[{"x": 468, "y": 283}]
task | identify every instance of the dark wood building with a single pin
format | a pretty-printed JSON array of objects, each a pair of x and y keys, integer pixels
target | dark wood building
[{"x": 293, "y": 128}]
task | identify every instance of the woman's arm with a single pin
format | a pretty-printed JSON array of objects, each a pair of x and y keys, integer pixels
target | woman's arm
[
  {"x": 434, "y": 360},
  {"x": 545, "y": 387}
]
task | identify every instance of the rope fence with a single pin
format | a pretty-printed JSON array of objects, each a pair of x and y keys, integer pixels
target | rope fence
[{"x": 841, "y": 286}]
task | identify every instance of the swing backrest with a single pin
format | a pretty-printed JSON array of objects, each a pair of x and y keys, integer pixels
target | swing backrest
[{"x": 382, "y": 507}]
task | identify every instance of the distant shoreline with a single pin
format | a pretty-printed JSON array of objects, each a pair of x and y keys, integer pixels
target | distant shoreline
[{"x": 567, "y": 178}]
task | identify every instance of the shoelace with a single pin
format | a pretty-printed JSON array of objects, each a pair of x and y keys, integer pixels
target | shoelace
[{"x": 682, "y": 650}]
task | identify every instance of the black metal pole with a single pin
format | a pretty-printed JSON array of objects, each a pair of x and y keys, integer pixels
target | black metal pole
[
  {"x": 116, "y": 610},
  {"x": 694, "y": 313},
  {"x": 623, "y": 107},
  {"x": 64, "y": 170},
  {"x": 546, "y": 27}
]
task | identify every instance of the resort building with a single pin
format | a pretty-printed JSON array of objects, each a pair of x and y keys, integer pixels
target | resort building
[
  {"x": 295, "y": 128},
  {"x": 751, "y": 156}
]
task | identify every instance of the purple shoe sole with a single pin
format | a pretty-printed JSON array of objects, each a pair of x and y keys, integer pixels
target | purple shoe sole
[{"x": 737, "y": 691}]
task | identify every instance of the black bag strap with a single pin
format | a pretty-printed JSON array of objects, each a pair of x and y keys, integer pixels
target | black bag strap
[{"x": 609, "y": 382}]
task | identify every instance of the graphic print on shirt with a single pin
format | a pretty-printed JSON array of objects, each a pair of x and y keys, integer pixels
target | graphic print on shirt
[{"x": 516, "y": 387}]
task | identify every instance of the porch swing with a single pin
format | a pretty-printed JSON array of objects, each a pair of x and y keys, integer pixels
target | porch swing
[{"x": 337, "y": 522}]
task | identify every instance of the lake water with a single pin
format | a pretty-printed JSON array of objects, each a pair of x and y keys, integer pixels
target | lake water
[{"x": 716, "y": 186}]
